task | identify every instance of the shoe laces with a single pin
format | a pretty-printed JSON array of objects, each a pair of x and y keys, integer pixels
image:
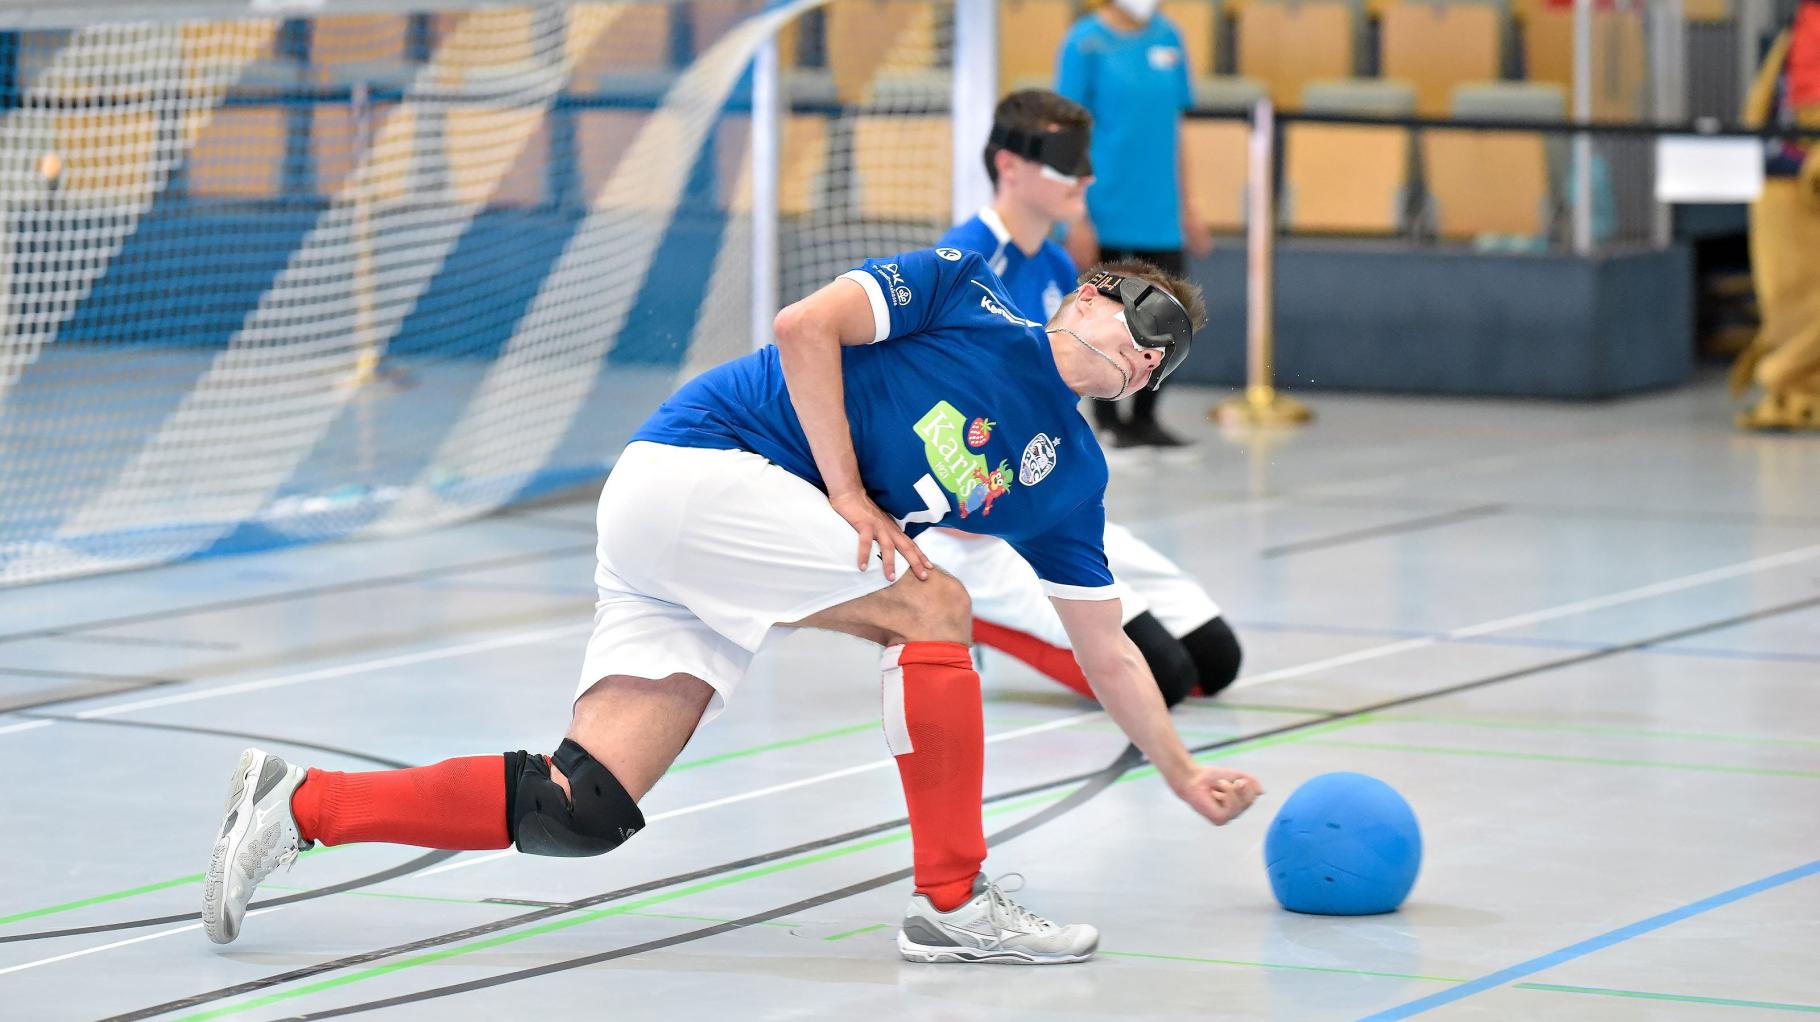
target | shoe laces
[{"x": 1008, "y": 914}]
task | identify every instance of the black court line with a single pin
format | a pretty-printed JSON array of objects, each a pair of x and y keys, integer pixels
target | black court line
[
  {"x": 254, "y": 986},
  {"x": 1433, "y": 521},
  {"x": 286, "y": 595},
  {"x": 137, "y": 680},
  {"x": 138, "y": 640},
  {"x": 402, "y": 869}
]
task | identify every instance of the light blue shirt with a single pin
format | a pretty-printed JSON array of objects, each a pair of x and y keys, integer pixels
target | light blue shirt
[{"x": 1136, "y": 86}]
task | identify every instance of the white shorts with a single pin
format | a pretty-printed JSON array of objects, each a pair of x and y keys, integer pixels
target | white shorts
[
  {"x": 1006, "y": 591},
  {"x": 701, "y": 553}
]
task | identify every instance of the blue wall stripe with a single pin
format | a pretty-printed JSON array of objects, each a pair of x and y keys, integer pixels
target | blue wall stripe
[{"x": 1587, "y": 947}]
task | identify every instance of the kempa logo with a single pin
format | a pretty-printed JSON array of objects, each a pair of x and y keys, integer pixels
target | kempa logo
[
  {"x": 900, "y": 291},
  {"x": 953, "y": 255},
  {"x": 1038, "y": 461},
  {"x": 991, "y": 304}
]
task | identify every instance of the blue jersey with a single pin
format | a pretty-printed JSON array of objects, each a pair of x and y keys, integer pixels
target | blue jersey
[
  {"x": 1037, "y": 283},
  {"x": 1136, "y": 86},
  {"x": 959, "y": 418}
]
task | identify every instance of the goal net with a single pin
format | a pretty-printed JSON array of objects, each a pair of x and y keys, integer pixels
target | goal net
[{"x": 280, "y": 280}]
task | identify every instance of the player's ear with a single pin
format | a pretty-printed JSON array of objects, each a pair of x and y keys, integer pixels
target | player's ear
[{"x": 1004, "y": 160}]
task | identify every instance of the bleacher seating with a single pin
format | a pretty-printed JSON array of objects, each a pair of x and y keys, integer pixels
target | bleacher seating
[
  {"x": 1348, "y": 179},
  {"x": 1493, "y": 182}
]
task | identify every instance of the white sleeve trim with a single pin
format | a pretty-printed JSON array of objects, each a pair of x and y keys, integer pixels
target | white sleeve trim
[
  {"x": 881, "y": 313},
  {"x": 1062, "y": 592}
]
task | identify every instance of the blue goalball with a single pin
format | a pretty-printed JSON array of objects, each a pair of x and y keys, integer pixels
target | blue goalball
[{"x": 1343, "y": 845}]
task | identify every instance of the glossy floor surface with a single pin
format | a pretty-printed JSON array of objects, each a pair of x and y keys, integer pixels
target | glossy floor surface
[{"x": 1582, "y": 640}]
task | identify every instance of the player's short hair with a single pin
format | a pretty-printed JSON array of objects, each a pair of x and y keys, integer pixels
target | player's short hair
[
  {"x": 1033, "y": 112},
  {"x": 1182, "y": 289}
]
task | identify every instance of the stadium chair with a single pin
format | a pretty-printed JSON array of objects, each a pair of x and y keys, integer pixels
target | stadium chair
[
  {"x": 636, "y": 42},
  {"x": 802, "y": 162},
  {"x": 1030, "y": 34},
  {"x": 901, "y": 167},
  {"x": 1288, "y": 45},
  {"x": 1435, "y": 47},
  {"x": 240, "y": 154},
  {"x": 1216, "y": 150},
  {"x": 475, "y": 141},
  {"x": 333, "y": 149},
  {"x": 1347, "y": 179},
  {"x": 1199, "y": 23},
  {"x": 1706, "y": 12},
  {"x": 1620, "y": 60},
  {"x": 601, "y": 140},
  {"x": 361, "y": 47},
  {"x": 1492, "y": 183},
  {"x": 868, "y": 37},
  {"x": 922, "y": 91}
]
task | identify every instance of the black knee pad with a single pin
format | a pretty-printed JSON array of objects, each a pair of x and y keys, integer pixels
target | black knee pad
[
  {"x": 1216, "y": 654},
  {"x": 1167, "y": 657},
  {"x": 541, "y": 820}
]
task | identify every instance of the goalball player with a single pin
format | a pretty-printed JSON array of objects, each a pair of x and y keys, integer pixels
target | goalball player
[
  {"x": 753, "y": 499},
  {"x": 1037, "y": 159}
]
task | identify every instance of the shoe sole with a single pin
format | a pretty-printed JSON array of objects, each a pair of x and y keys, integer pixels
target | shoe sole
[
  {"x": 215, "y": 922},
  {"x": 923, "y": 954}
]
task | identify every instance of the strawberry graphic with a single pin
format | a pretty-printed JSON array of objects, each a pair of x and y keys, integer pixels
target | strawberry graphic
[{"x": 980, "y": 432}]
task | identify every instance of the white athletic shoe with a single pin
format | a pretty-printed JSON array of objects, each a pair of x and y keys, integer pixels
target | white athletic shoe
[
  {"x": 259, "y": 835},
  {"x": 990, "y": 927}
]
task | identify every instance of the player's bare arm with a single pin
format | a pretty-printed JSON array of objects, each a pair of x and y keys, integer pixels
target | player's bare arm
[
  {"x": 810, "y": 334},
  {"x": 1121, "y": 679}
]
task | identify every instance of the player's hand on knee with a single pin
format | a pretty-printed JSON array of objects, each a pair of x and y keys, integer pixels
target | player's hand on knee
[
  {"x": 1219, "y": 793},
  {"x": 875, "y": 527}
]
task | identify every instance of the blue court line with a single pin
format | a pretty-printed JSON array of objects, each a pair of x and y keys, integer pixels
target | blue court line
[
  {"x": 1587, "y": 947},
  {"x": 1667, "y": 649}
]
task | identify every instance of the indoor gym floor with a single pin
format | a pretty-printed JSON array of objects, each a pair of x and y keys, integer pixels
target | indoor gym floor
[{"x": 1583, "y": 640}]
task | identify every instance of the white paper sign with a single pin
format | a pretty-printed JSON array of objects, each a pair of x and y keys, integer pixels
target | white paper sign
[{"x": 1692, "y": 168}]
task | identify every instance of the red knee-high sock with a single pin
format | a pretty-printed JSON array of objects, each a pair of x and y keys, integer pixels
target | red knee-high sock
[
  {"x": 456, "y": 804},
  {"x": 934, "y": 726},
  {"x": 1052, "y": 662}
]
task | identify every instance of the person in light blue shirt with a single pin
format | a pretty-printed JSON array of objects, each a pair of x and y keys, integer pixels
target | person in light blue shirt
[{"x": 1127, "y": 66}]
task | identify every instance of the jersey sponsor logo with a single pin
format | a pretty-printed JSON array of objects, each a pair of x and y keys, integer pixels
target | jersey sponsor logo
[
  {"x": 953, "y": 255},
  {"x": 1038, "y": 460},
  {"x": 961, "y": 472},
  {"x": 979, "y": 431},
  {"x": 1163, "y": 58},
  {"x": 900, "y": 291},
  {"x": 990, "y": 303}
]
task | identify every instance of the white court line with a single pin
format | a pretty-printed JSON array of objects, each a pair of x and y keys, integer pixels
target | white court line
[
  {"x": 27, "y": 726},
  {"x": 1505, "y": 624},
  {"x": 142, "y": 938},
  {"x": 775, "y": 789},
  {"x": 359, "y": 667}
]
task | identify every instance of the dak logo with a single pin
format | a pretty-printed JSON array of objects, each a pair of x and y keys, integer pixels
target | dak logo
[
  {"x": 900, "y": 291},
  {"x": 1038, "y": 461},
  {"x": 953, "y": 255}
]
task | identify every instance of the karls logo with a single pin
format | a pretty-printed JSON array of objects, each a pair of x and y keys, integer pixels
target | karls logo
[
  {"x": 900, "y": 291},
  {"x": 968, "y": 476}
]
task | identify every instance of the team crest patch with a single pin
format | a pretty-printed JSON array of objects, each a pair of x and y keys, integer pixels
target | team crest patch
[
  {"x": 1038, "y": 461},
  {"x": 979, "y": 432},
  {"x": 953, "y": 255}
]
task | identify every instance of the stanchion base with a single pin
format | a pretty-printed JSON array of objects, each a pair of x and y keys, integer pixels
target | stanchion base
[{"x": 1261, "y": 407}]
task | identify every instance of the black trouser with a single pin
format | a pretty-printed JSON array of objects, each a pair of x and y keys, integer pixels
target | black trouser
[{"x": 1143, "y": 403}]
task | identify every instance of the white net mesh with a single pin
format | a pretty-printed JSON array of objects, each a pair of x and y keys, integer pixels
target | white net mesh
[{"x": 276, "y": 281}]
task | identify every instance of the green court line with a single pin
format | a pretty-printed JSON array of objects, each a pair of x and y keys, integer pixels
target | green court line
[
  {"x": 1281, "y": 965},
  {"x": 863, "y": 929},
  {"x": 1598, "y": 729},
  {"x": 1215, "y": 703},
  {"x": 628, "y": 908},
  {"x": 1544, "y": 757},
  {"x": 780, "y": 923},
  {"x": 1266, "y": 742},
  {"x": 788, "y": 743},
  {"x": 101, "y": 899},
  {"x": 1727, "y": 1002}
]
